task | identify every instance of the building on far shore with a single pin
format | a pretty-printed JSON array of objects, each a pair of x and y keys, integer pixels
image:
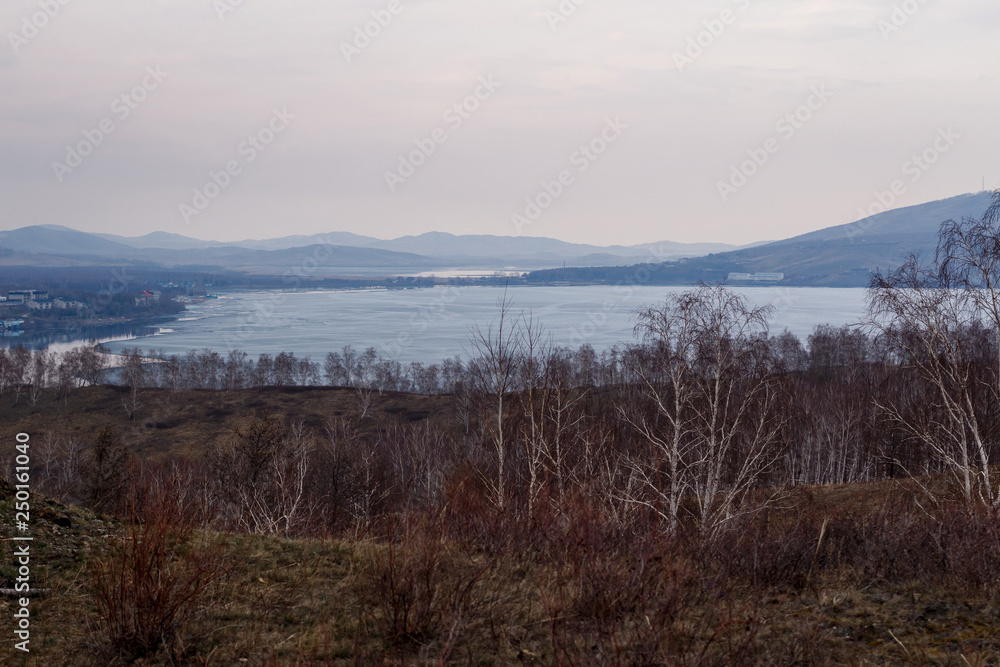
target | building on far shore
[
  {"x": 148, "y": 298},
  {"x": 64, "y": 304},
  {"x": 756, "y": 277},
  {"x": 40, "y": 304},
  {"x": 26, "y": 295}
]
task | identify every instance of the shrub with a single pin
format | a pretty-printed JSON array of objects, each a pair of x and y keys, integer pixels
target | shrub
[{"x": 149, "y": 585}]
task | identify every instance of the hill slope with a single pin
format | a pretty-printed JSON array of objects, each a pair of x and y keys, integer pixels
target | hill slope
[{"x": 839, "y": 256}]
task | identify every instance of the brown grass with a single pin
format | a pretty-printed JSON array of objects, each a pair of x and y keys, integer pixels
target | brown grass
[
  {"x": 335, "y": 602},
  {"x": 190, "y": 422},
  {"x": 859, "y": 574}
]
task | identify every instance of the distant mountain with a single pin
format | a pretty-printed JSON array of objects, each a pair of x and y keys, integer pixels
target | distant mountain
[
  {"x": 881, "y": 241},
  {"x": 440, "y": 244},
  {"x": 162, "y": 241},
  {"x": 843, "y": 255},
  {"x": 478, "y": 246},
  {"x": 913, "y": 226},
  {"x": 285, "y": 242},
  {"x": 56, "y": 240},
  {"x": 327, "y": 259},
  {"x": 433, "y": 250}
]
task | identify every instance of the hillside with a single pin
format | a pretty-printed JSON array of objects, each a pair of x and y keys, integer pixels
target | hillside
[
  {"x": 834, "y": 574},
  {"x": 47, "y": 246},
  {"x": 839, "y": 256}
]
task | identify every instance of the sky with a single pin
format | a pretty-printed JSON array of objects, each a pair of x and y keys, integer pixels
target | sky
[{"x": 590, "y": 121}]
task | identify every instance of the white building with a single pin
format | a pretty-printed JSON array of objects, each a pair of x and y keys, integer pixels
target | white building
[{"x": 756, "y": 277}]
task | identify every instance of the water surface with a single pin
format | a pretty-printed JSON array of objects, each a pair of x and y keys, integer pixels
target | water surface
[{"x": 429, "y": 324}]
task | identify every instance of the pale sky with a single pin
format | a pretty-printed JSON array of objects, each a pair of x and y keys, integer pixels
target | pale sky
[{"x": 892, "y": 86}]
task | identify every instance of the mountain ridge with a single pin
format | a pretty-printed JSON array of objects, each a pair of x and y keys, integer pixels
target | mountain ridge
[
  {"x": 843, "y": 255},
  {"x": 440, "y": 250},
  {"x": 838, "y": 255}
]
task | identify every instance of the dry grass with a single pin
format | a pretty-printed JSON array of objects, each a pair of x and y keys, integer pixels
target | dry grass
[
  {"x": 190, "y": 422},
  {"x": 422, "y": 596},
  {"x": 857, "y": 574}
]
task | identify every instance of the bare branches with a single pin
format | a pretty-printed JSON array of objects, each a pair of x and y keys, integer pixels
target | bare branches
[
  {"x": 704, "y": 402},
  {"x": 932, "y": 316},
  {"x": 494, "y": 369},
  {"x": 261, "y": 475}
]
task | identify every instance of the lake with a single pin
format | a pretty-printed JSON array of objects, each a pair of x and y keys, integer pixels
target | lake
[{"x": 427, "y": 325}]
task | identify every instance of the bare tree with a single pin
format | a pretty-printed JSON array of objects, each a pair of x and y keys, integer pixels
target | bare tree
[
  {"x": 925, "y": 320},
  {"x": 41, "y": 369},
  {"x": 495, "y": 353},
  {"x": 704, "y": 401},
  {"x": 237, "y": 370},
  {"x": 547, "y": 409},
  {"x": 104, "y": 470},
  {"x": 261, "y": 474},
  {"x": 930, "y": 316},
  {"x": 18, "y": 361},
  {"x": 93, "y": 363},
  {"x": 133, "y": 378},
  {"x": 534, "y": 398},
  {"x": 349, "y": 359}
]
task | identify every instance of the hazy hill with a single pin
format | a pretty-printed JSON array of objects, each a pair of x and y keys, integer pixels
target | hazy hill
[
  {"x": 54, "y": 246},
  {"x": 161, "y": 240},
  {"x": 440, "y": 244},
  {"x": 56, "y": 240},
  {"x": 912, "y": 225},
  {"x": 850, "y": 251},
  {"x": 48, "y": 245},
  {"x": 286, "y": 242},
  {"x": 843, "y": 255},
  {"x": 839, "y": 255}
]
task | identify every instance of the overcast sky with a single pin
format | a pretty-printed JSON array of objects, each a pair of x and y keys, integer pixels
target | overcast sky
[{"x": 665, "y": 119}]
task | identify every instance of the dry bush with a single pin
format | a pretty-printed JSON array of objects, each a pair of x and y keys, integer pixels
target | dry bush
[
  {"x": 261, "y": 475},
  {"x": 649, "y": 605},
  {"x": 104, "y": 471},
  {"x": 181, "y": 490},
  {"x": 417, "y": 589},
  {"x": 889, "y": 540},
  {"x": 150, "y": 585}
]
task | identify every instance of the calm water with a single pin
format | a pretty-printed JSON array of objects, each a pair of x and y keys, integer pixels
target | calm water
[{"x": 430, "y": 324}]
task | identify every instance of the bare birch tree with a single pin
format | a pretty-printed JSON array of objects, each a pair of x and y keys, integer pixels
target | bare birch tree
[
  {"x": 261, "y": 475},
  {"x": 494, "y": 369},
  {"x": 705, "y": 403}
]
